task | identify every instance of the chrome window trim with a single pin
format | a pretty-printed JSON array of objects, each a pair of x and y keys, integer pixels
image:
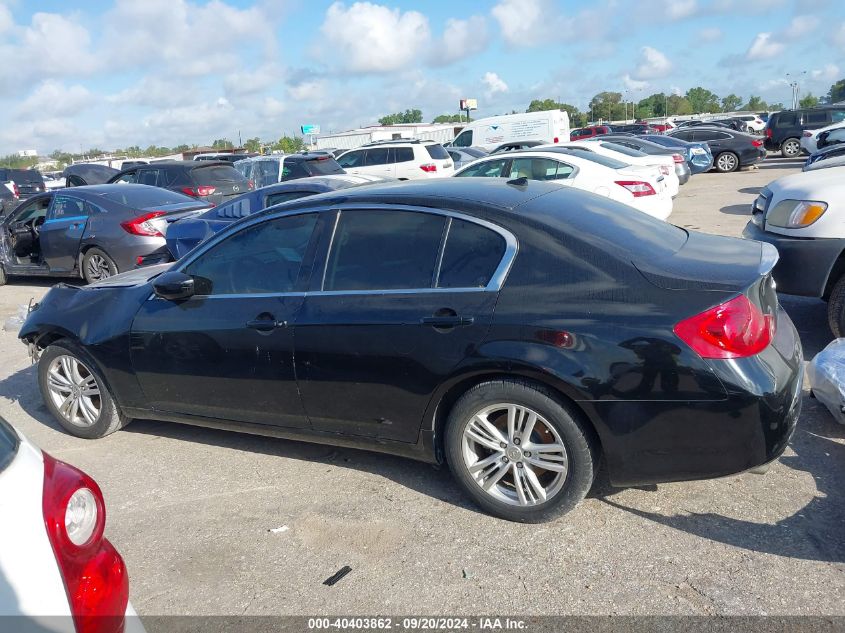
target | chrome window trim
[{"x": 494, "y": 285}]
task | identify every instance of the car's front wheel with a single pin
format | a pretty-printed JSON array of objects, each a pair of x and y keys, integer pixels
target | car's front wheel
[
  {"x": 521, "y": 454},
  {"x": 76, "y": 394},
  {"x": 97, "y": 265},
  {"x": 790, "y": 148}
]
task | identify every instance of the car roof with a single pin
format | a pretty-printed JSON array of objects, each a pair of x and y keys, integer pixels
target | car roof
[{"x": 101, "y": 190}]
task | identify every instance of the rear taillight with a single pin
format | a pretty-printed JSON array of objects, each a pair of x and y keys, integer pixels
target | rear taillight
[
  {"x": 637, "y": 188},
  {"x": 429, "y": 168},
  {"x": 198, "y": 192},
  {"x": 250, "y": 184},
  {"x": 556, "y": 139},
  {"x": 757, "y": 142},
  {"x": 807, "y": 134},
  {"x": 768, "y": 132},
  {"x": 94, "y": 574},
  {"x": 16, "y": 191},
  {"x": 677, "y": 158},
  {"x": 734, "y": 329},
  {"x": 142, "y": 225}
]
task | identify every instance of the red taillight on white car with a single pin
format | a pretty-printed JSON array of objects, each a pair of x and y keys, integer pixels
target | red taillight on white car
[
  {"x": 198, "y": 192},
  {"x": 16, "y": 191},
  {"x": 638, "y": 188},
  {"x": 807, "y": 134},
  {"x": 734, "y": 329},
  {"x": 142, "y": 225},
  {"x": 678, "y": 158},
  {"x": 429, "y": 168},
  {"x": 94, "y": 574}
]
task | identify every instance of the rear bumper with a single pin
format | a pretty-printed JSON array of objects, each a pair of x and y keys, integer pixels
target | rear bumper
[
  {"x": 752, "y": 158},
  {"x": 682, "y": 170},
  {"x": 805, "y": 263},
  {"x": 655, "y": 442}
]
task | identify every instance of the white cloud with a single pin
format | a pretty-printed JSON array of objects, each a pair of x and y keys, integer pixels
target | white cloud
[
  {"x": 800, "y": 26},
  {"x": 531, "y": 22},
  {"x": 494, "y": 84},
  {"x": 764, "y": 48},
  {"x": 7, "y": 22},
  {"x": 154, "y": 91},
  {"x": 710, "y": 34},
  {"x": 652, "y": 65},
  {"x": 55, "y": 99},
  {"x": 461, "y": 39},
  {"x": 245, "y": 83},
  {"x": 679, "y": 9},
  {"x": 829, "y": 73},
  {"x": 312, "y": 90},
  {"x": 371, "y": 38},
  {"x": 634, "y": 84},
  {"x": 838, "y": 36}
]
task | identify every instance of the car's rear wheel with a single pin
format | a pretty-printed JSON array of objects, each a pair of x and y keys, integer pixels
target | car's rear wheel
[
  {"x": 727, "y": 162},
  {"x": 76, "y": 394},
  {"x": 518, "y": 452},
  {"x": 790, "y": 148},
  {"x": 97, "y": 265},
  {"x": 836, "y": 309}
]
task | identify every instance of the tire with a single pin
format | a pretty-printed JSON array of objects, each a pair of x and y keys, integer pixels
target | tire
[
  {"x": 790, "y": 148},
  {"x": 556, "y": 424},
  {"x": 726, "y": 162},
  {"x": 93, "y": 416},
  {"x": 97, "y": 265},
  {"x": 836, "y": 309},
  {"x": 2, "y": 276}
]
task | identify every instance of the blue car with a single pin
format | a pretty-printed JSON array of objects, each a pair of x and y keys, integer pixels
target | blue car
[
  {"x": 698, "y": 155},
  {"x": 184, "y": 234}
]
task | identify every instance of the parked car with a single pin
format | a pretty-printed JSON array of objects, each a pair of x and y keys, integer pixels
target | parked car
[
  {"x": 183, "y": 235},
  {"x": 731, "y": 150},
  {"x": 801, "y": 215},
  {"x": 81, "y": 174},
  {"x": 516, "y": 145},
  {"x": 663, "y": 164},
  {"x": 28, "y": 181},
  {"x": 831, "y": 156},
  {"x": 226, "y": 157},
  {"x": 755, "y": 123},
  {"x": 93, "y": 232},
  {"x": 465, "y": 155},
  {"x": 212, "y": 181},
  {"x": 59, "y": 571},
  {"x": 734, "y": 123},
  {"x": 679, "y": 164},
  {"x": 522, "y": 333},
  {"x": 403, "y": 159},
  {"x": 698, "y": 122},
  {"x": 697, "y": 155},
  {"x": 633, "y": 128},
  {"x": 832, "y": 137},
  {"x": 785, "y": 129},
  {"x": 580, "y": 134},
  {"x": 548, "y": 126},
  {"x": 268, "y": 170},
  {"x": 640, "y": 187}
]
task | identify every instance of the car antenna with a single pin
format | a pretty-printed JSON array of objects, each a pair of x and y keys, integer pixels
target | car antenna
[{"x": 522, "y": 181}]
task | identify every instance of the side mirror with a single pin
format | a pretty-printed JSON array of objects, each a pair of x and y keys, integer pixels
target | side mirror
[{"x": 174, "y": 286}]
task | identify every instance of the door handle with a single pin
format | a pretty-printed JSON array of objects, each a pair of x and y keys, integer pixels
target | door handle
[
  {"x": 447, "y": 321},
  {"x": 265, "y": 325}
]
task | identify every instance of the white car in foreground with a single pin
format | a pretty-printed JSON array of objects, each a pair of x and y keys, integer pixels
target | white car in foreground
[
  {"x": 810, "y": 138},
  {"x": 637, "y": 186},
  {"x": 664, "y": 163},
  {"x": 54, "y": 560}
]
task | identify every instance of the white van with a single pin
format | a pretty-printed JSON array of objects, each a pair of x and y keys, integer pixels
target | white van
[{"x": 549, "y": 126}]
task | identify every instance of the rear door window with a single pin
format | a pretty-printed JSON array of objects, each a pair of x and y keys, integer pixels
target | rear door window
[
  {"x": 486, "y": 169},
  {"x": 352, "y": 159},
  {"x": 786, "y": 119},
  {"x": 376, "y": 156},
  {"x": 293, "y": 169},
  {"x": 323, "y": 166},
  {"x": 816, "y": 118},
  {"x": 406, "y": 155},
  {"x": 406, "y": 243},
  {"x": 149, "y": 177},
  {"x": 471, "y": 256}
]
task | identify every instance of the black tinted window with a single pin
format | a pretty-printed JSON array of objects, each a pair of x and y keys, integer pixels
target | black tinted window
[
  {"x": 293, "y": 169},
  {"x": 816, "y": 118},
  {"x": 436, "y": 151},
  {"x": 217, "y": 174},
  {"x": 25, "y": 176},
  {"x": 471, "y": 256},
  {"x": 377, "y": 156},
  {"x": 710, "y": 135},
  {"x": 285, "y": 196},
  {"x": 786, "y": 119},
  {"x": 352, "y": 159},
  {"x": 404, "y": 155},
  {"x": 263, "y": 258},
  {"x": 149, "y": 177},
  {"x": 464, "y": 139},
  {"x": 384, "y": 250},
  {"x": 323, "y": 166}
]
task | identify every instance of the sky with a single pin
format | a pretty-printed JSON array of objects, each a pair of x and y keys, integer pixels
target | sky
[{"x": 115, "y": 73}]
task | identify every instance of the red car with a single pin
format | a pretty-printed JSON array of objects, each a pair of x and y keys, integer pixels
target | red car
[{"x": 588, "y": 132}]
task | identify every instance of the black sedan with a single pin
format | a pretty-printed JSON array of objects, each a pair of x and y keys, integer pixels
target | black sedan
[
  {"x": 731, "y": 150},
  {"x": 519, "y": 331}
]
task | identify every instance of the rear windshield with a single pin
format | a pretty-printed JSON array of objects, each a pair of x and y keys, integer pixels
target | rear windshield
[
  {"x": 586, "y": 154},
  {"x": 323, "y": 166},
  {"x": 623, "y": 150},
  {"x": 25, "y": 175},
  {"x": 8, "y": 444},
  {"x": 478, "y": 153},
  {"x": 145, "y": 197},
  {"x": 216, "y": 173},
  {"x": 436, "y": 151}
]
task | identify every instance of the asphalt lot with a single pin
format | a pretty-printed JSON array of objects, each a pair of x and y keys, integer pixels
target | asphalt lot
[{"x": 191, "y": 510}]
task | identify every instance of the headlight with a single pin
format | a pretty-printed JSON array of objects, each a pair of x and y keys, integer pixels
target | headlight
[{"x": 795, "y": 214}]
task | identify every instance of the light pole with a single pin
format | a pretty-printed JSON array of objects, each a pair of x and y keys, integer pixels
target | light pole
[{"x": 795, "y": 86}]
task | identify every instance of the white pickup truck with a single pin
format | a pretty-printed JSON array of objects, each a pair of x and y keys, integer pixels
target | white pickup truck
[{"x": 803, "y": 216}]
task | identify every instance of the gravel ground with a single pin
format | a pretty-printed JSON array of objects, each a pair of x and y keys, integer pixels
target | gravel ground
[{"x": 191, "y": 510}]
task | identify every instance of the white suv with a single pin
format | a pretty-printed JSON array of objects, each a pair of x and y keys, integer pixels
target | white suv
[{"x": 406, "y": 159}]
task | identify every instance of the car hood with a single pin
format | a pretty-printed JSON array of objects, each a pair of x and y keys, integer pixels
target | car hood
[
  {"x": 131, "y": 277},
  {"x": 821, "y": 184}
]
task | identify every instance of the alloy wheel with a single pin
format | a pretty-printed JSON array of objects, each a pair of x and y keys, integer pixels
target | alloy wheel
[
  {"x": 514, "y": 454},
  {"x": 74, "y": 391},
  {"x": 98, "y": 268},
  {"x": 791, "y": 148},
  {"x": 727, "y": 162}
]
